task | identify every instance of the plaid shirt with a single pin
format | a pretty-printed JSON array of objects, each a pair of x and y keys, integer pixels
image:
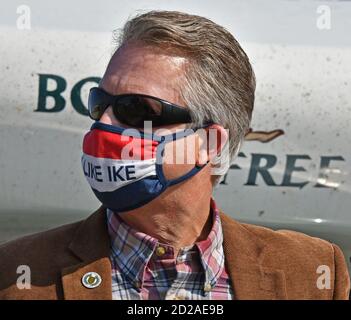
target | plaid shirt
[{"x": 144, "y": 269}]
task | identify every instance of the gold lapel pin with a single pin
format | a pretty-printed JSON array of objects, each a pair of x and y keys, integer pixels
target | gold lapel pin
[{"x": 91, "y": 280}]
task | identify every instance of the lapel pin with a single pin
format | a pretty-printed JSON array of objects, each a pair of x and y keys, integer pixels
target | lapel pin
[{"x": 91, "y": 280}]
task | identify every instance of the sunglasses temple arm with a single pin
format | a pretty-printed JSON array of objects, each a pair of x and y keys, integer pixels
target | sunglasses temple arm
[{"x": 176, "y": 114}]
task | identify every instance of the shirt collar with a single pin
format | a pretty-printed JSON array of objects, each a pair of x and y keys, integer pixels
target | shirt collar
[
  {"x": 211, "y": 249},
  {"x": 131, "y": 250}
]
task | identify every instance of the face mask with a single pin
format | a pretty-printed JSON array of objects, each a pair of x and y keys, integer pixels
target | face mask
[{"x": 124, "y": 166}]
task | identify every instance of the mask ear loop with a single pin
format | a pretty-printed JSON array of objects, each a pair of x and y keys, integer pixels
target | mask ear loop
[{"x": 160, "y": 154}]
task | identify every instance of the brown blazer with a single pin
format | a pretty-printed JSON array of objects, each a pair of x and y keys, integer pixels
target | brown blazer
[{"x": 262, "y": 263}]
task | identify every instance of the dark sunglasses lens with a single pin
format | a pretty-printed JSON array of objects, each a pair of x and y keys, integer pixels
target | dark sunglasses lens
[
  {"x": 96, "y": 107},
  {"x": 134, "y": 110}
]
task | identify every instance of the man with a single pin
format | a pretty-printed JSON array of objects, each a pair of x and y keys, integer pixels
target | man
[{"x": 159, "y": 233}]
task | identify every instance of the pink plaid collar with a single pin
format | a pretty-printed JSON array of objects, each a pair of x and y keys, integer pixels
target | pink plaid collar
[{"x": 132, "y": 250}]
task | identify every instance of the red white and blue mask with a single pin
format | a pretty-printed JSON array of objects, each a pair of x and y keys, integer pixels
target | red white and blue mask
[{"x": 124, "y": 166}]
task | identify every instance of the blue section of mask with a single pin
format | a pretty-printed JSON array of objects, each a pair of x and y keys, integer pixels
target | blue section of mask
[{"x": 131, "y": 196}]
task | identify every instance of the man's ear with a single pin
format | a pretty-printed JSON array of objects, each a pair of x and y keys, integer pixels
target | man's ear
[{"x": 211, "y": 143}]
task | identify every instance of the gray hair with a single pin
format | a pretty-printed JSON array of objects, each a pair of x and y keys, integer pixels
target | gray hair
[{"x": 219, "y": 82}]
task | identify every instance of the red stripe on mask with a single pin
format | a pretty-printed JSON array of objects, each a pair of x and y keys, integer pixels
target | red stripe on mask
[{"x": 103, "y": 144}]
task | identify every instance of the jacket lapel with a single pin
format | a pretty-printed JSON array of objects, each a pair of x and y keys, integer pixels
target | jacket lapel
[
  {"x": 92, "y": 247},
  {"x": 244, "y": 254}
]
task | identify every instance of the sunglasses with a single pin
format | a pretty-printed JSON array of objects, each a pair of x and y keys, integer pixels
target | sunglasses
[{"x": 133, "y": 109}]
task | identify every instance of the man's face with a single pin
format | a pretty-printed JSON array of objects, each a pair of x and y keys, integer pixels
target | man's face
[{"x": 145, "y": 70}]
